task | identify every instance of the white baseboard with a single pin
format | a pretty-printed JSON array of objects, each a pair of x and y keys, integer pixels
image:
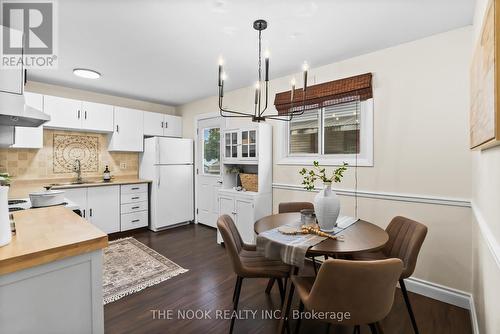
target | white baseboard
[
  {"x": 439, "y": 292},
  {"x": 473, "y": 316}
]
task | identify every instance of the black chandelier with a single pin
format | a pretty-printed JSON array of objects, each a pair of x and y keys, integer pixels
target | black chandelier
[{"x": 260, "y": 108}]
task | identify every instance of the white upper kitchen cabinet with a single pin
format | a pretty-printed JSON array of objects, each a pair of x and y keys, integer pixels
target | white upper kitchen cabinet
[
  {"x": 97, "y": 117},
  {"x": 128, "y": 134},
  {"x": 69, "y": 114},
  {"x": 153, "y": 123},
  {"x": 12, "y": 77},
  {"x": 64, "y": 113},
  {"x": 173, "y": 126},
  {"x": 103, "y": 205},
  {"x": 157, "y": 124},
  {"x": 27, "y": 137}
]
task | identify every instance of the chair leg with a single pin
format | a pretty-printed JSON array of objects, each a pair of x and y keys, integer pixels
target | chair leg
[
  {"x": 286, "y": 308},
  {"x": 314, "y": 266},
  {"x": 301, "y": 309},
  {"x": 237, "y": 291},
  {"x": 270, "y": 285},
  {"x": 356, "y": 330},
  {"x": 282, "y": 290},
  {"x": 373, "y": 328},
  {"x": 408, "y": 305}
]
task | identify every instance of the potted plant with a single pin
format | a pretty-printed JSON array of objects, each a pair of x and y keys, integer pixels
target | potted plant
[
  {"x": 326, "y": 202},
  {"x": 5, "y": 233}
]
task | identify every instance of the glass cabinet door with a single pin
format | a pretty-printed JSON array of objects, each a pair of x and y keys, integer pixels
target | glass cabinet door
[
  {"x": 248, "y": 144},
  {"x": 231, "y": 145}
]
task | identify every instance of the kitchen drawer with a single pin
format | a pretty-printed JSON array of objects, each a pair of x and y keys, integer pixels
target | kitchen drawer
[
  {"x": 134, "y": 207},
  {"x": 133, "y": 198},
  {"x": 134, "y": 220},
  {"x": 134, "y": 188}
]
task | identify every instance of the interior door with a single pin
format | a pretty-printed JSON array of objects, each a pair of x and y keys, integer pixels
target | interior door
[
  {"x": 208, "y": 169},
  {"x": 104, "y": 208},
  {"x": 97, "y": 116}
]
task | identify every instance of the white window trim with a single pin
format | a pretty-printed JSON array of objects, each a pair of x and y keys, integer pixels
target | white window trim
[{"x": 364, "y": 158}]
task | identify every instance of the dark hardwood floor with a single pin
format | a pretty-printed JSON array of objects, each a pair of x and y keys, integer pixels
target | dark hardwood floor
[{"x": 209, "y": 283}]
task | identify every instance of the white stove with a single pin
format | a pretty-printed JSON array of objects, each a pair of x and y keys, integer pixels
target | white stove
[{"x": 25, "y": 204}]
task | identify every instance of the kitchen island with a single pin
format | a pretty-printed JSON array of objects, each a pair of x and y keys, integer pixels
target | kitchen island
[{"x": 51, "y": 274}]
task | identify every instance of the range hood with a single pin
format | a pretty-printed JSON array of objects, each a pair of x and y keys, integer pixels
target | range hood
[{"x": 15, "y": 112}]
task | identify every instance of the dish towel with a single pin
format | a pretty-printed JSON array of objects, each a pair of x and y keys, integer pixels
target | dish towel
[{"x": 292, "y": 249}]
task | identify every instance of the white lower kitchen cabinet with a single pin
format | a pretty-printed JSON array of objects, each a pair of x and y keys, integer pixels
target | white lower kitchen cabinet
[
  {"x": 104, "y": 207},
  {"x": 113, "y": 208},
  {"x": 244, "y": 208},
  {"x": 134, "y": 206}
]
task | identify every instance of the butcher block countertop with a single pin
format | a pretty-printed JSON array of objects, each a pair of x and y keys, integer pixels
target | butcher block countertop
[{"x": 48, "y": 234}]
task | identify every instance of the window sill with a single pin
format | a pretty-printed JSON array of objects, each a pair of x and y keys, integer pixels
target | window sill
[{"x": 325, "y": 161}]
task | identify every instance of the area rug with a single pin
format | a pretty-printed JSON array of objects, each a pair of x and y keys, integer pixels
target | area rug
[{"x": 130, "y": 266}]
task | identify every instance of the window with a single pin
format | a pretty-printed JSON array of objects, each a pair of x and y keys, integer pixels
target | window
[
  {"x": 330, "y": 134},
  {"x": 211, "y": 151}
]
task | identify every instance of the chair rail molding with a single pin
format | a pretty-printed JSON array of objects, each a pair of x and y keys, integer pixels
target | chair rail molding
[
  {"x": 402, "y": 197},
  {"x": 491, "y": 241}
]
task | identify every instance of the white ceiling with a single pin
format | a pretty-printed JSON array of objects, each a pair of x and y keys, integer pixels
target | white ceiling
[{"x": 167, "y": 51}]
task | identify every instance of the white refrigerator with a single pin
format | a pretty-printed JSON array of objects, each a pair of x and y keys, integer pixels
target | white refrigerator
[{"x": 168, "y": 162}]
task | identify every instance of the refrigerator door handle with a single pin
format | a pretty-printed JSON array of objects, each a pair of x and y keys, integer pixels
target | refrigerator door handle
[{"x": 159, "y": 179}]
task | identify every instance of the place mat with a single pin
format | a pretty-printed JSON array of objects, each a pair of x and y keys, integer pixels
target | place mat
[{"x": 292, "y": 249}]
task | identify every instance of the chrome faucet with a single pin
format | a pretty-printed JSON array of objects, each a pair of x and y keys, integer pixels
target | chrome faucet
[{"x": 78, "y": 169}]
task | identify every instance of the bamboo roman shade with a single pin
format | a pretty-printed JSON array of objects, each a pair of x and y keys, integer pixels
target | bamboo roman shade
[{"x": 358, "y": 87}]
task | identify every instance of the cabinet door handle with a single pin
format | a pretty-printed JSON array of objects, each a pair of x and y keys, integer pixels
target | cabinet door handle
[
  {"x": 135, "y": 197},
  {"x": 117, "y": 129},
  {"x": 83, "y": 213},
  {"x": 234, "y": 213},
  {"x": 85, "y": 114},
  {"x": 78, "y": 114},
  {"x": 135, "y": 220},
  {"x": 135, "y": 188},
  {"x": 166, "y": 125},
  {"x": 135, "y": 207},
  {"x": 162, "y": 125},
  {"x": 90, "y": 212}
]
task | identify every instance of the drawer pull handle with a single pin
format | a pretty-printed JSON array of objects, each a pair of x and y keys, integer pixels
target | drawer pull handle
[
  {"x": 135, "y": 207},
  {"x": 135, "y": 220},
  {"x": 135, "y": 188},
  {"x": 135, "y": 197}
]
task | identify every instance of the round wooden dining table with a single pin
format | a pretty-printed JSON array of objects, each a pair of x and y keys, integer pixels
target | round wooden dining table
[{"x": 360, "y": 237}]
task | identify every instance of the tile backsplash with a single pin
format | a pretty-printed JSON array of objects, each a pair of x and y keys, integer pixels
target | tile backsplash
[{"x": 57, "y": 157}]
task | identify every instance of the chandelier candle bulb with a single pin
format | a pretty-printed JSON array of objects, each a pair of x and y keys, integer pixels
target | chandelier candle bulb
[{"x": 267, "y": 66}]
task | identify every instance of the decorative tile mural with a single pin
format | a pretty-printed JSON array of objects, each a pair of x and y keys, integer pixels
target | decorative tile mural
[
  {"x": 37, "y": 164},
  {"x": 69, "y": 148}
]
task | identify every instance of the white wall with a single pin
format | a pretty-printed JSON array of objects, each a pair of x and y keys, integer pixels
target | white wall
[
  {"x": 486, "y": 217},
  {"x": 421, "y": 98}
]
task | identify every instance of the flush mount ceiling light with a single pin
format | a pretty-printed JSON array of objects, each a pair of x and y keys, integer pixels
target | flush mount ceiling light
[
  {"x": 86, "y": 73},
  {"x": 260, "y": 108}
]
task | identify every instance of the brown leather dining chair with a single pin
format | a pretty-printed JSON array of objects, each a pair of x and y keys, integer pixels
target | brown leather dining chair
[
  {"x": 365, "y": 289},
  {"x": 406, "y": 237},
  {"x": 246, "y": 262},
  {"x": 287, "y": 207}
]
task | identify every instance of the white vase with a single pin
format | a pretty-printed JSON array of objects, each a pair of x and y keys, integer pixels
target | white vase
[
  {"x": 327, "y": 208},
  {"x": 5, "y": 233}
]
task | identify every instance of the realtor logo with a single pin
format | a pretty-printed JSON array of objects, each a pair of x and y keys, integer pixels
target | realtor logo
[{"x": 28, "y": 34}]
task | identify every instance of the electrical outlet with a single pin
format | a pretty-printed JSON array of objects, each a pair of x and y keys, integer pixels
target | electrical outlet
[{"x": 123, "y": 165}]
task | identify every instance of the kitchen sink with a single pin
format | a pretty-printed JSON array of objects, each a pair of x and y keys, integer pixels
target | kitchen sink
[{"x": 78, "y": 182}]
